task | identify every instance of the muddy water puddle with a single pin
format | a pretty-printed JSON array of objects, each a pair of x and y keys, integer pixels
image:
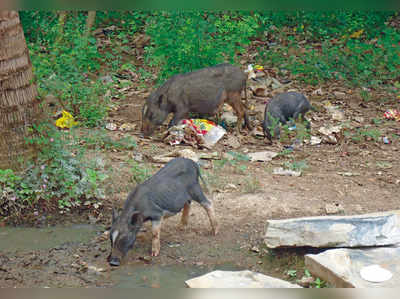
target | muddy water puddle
[
  {"x": 156, "y": 276},
  {"x": 25, "y": 239}
]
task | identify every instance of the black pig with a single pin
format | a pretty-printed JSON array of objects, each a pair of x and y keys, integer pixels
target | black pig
[
  {"x": 166, "y": 193},
  {"x": 203, "y": 91},
  {"x": 281, "y": 108}
]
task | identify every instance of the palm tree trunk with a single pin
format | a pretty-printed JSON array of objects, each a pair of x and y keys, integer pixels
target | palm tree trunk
[{"x": 18, "y": 94}]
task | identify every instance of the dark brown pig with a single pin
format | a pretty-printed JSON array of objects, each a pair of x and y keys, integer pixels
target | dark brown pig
[
  {"x": 203, "y": 91},
  {"x": 166, "y": 193}
]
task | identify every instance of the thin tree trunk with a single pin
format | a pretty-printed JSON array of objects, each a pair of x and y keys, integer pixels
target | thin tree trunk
[
  {"x": 89, "y": 22},
  {"x": 18, "y": 94}
]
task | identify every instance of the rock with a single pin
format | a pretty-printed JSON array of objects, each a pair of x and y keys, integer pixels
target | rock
[
  {"x": 209, "y": 156},
  {"x": 237, "y": 279},
  {"x": 205, "y": 163},
  {"x": 359, "y": 119},
  {"x": 229, "y": 118},
  {"x": 264, "y": 156},
  {"x": 338, "y": 115},
  {"x": 333, "y": 231},
  {"x": 184, "y": 153},
  {"x": 339, "y": 95},
  {"x": 306, "y": 281},
  {"x": 107, "y": 79},
  {"x": 287, "y": 172},
  {"x": 357, "y": 268},
  {"x": 138, "y": 157},
  {"x": 331, "y": 208}
]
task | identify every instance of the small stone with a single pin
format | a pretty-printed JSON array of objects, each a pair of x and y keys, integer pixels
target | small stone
[
  {"x": 305, "y": 281},
  {"x": 333, "y": 208},
  {"x": 339, "y": 95},
  {"x": 286, "y": 172}
]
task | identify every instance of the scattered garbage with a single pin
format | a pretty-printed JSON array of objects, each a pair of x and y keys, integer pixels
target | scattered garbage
[
  {"x": 348, "y": 174},
  {"x": 111, "y": 126},
  {"x": 334, "y": 111},
  {"x": 392, "y": 114},
  {"x": 287, "y": 172},
  {"x": 233, "y": 142},
  {"x": 385, "y": 140},
  {"x": 329, "y": 133},
  {"x": 318, "y": 92},
  {"x": 66, "y": 121},
  {"x": 229, "y": 118},
  {"x": 195, "y": 132},
  {"x": 127, "y": 127},
  {"x": 375, "y": 273},
  {"x": 254, "y": 70},
  {"x": 314, "y": 140},
  {"x": 264, "y": 156}
]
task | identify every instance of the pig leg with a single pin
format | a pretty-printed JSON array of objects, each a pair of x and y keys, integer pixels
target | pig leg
[
  {"x": 211, "y": 215},
  {"x": 185, "y": 214},
  {"x": 155, "y": 244},
  {"x": 235, "y": 102},
  {"x": 198, "y": 195}
]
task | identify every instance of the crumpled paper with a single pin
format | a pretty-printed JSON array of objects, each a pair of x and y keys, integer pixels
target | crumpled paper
[
  {"x": 392, "y": 114},
  {"x": 66, "y": 121}
]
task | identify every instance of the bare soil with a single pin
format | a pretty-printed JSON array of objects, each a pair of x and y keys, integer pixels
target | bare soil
[{"x": 357, "y": 175}]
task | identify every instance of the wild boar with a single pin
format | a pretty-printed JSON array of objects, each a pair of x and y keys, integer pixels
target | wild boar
[
  {"x": 203, "y": 91},
  {"x": 166, "y": 193},
  {"x": 284, "y": 106}
]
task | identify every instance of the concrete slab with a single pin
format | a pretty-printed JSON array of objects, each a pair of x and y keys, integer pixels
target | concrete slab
[
  {"x": 237, "y": 279},
  {"x": 341, "y": 267},
  {"x": 377, "y": 229}
]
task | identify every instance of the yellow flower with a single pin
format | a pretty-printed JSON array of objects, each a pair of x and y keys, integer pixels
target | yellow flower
[{"x": 357, "y": 34}]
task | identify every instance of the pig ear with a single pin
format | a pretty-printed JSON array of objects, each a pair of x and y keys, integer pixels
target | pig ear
[
  {"x": 115, "y": 214},
  {"x": 137, "y": 218}
]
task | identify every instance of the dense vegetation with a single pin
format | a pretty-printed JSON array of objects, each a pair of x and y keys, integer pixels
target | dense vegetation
[{"x": 357, "y": 49}]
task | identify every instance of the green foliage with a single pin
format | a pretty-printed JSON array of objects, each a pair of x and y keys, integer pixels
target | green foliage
[
  {"x": 359, "y": 49},
  {"x": 296, "y": 165},
  {"x": 140, "y": 172},
  {"x": 60, "y": 176},
  {"x": 364, "y": 134},
  {"x": 184, "y": 41},
  {"x": 65, "y": 65},
  {"x": 99, "y": 139}
]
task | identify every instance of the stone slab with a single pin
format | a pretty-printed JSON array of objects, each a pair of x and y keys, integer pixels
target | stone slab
[
  {"x": 378, "y": 229},
  {"x": 237, "y": 279},
  {"x": 341, "y": 267}
]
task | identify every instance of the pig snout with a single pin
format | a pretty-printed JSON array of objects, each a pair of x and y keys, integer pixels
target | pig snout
[
  {"x": 114, "y": 261},
  {"x": 147, "y": 128}
]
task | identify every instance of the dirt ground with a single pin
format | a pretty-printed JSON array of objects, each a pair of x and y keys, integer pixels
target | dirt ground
[{"x": 358, "y": 175}]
